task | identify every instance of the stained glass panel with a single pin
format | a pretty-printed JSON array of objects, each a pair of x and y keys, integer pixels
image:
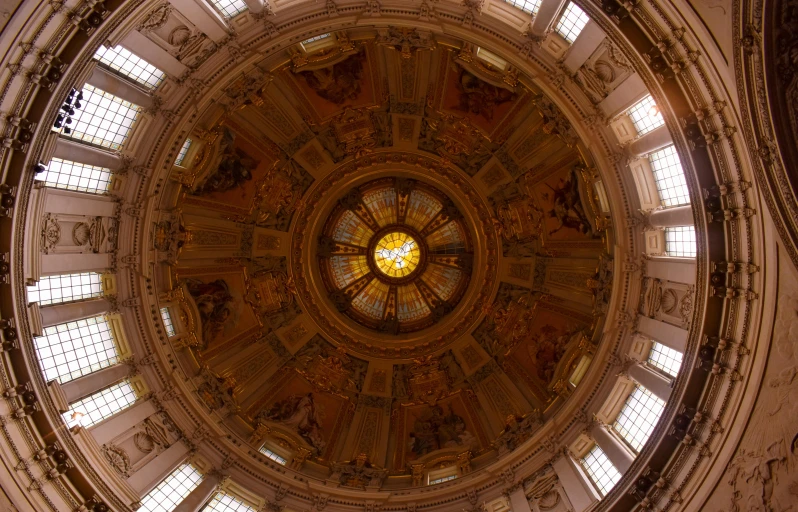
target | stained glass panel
[
  {"x": 347, "y": 269},
  {"x": 442, "y": 280},
  {"x": 410, "y": 304},
  {"x": 371, "y": 301},
  {"x": 397, "y": 254},
  {"x": 352, "y": 230},
  {"x": 421, "y": 209},
  {"x": 382, "y": 205},
  {"x": 448, "y": 239}
]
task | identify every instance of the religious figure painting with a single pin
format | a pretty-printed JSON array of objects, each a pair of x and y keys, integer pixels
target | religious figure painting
[
  {"x": 478, "y": 97},
  {"x": 344, "y": 84},
  {"x": 338, "y": 83},
  {"x": 218, "y": 295},
  {"x": 486, "y": 106},
  {"x": 544, "y": 338},
  {"x": 236, "y": 165},
  {"x": 302, "y": 414},
  {"x": 300, "y": 407},
  {"x": 566, "y": 216},
  {"x": 218, "y": 308},
  {"x": 436, "y": 428},
  {"x": 234, "y": 169},
  {"x": 449, "y": 423}
]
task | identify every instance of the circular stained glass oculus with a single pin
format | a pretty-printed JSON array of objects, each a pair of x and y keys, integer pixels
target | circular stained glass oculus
[{"x": 397, "y": 255}]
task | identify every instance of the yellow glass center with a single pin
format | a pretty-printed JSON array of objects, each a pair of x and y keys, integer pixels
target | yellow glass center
[{"x": 397, "y": 254}]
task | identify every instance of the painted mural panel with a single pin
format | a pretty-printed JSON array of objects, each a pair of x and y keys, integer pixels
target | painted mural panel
[
  {"x": 218, "y": 295},
  {"x": 541, "y": 337},
  {"x": 297, "y": 405},
  {"x": 485, "y": 105},
  {"x": 234, "y": 171},
  {"x": 566, "y": 215},
  {"x": 345, "y": 84},
  {"x": 424, "y": 428}
]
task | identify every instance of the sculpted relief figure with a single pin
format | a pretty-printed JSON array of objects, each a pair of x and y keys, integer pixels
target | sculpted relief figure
[
  {"x": 762, "y": 474},
  {"x": 302, "y": 414},
  {"x": 218, "y": 307},
  {"x": 234, "y": 168},
  {"x": 339, "y": 83},
  {"x": 568, "y": 208},
  {"x": 399, "y": 382}
]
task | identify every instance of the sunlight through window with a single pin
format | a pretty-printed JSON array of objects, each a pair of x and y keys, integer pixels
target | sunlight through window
[
  {"x": 101, "y": 405},
  {"x": 122, "y": 61},
  {"x": 571, "y": 23},
  {"x": 65, "y": 288},
  {"x": 600, "y": 470}
]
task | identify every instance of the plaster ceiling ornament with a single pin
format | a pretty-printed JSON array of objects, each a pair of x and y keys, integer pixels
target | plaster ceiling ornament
[{"x": 408, "y": 41}]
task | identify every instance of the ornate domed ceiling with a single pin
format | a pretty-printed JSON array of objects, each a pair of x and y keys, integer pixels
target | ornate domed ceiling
[
  {"x": 392, "y": 255},
  {"x": 343, "y": 252}
]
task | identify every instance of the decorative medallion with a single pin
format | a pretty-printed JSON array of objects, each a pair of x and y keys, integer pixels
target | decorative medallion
[
  {"x": 395, "y": 255},
  {"x": 431, "y": 202}
]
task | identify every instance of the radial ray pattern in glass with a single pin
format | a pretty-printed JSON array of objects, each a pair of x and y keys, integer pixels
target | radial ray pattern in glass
[
  {"x": 348, "y": 269},
  {"x": 410, "y": 304},
  {"x": 385, "y": 267},
  {"x": 352, "y": 230},
  {"x": 442, "y": 280},
  {"x": 448, "y": 239},
  {"x": 422, "y": 208},
  {"x": 381, "y": 204},
  {"x": 371, "y": 301}
]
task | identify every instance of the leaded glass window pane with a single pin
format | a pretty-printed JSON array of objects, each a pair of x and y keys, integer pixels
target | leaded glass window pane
[
  {"x": 665, "y": 358},
  {"x": 69, "y": 175},
  {"x": 223, "y": 502},
  {"x": 103, "y": 119},
  {"x": 73, "y": 349},
  {"x": 680, "y": 241},
  {"x": 172, "y": 490},
  {"x": 65, "y": 288},
  {"x": 571, "y": 23},
  {"x": 103, "y": 404},
  {"x": 638, "y": 417},
  {"x": 600, "y": 470},
  {"x": 645, "y": 115},
  {"x": 230, "y": 8},
  {"x": 124, "y": 62},
  {"x": 669, "y": 177}
]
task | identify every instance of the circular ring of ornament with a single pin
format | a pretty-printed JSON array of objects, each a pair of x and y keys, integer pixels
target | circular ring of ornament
[{"x": 395, "y": 255}]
